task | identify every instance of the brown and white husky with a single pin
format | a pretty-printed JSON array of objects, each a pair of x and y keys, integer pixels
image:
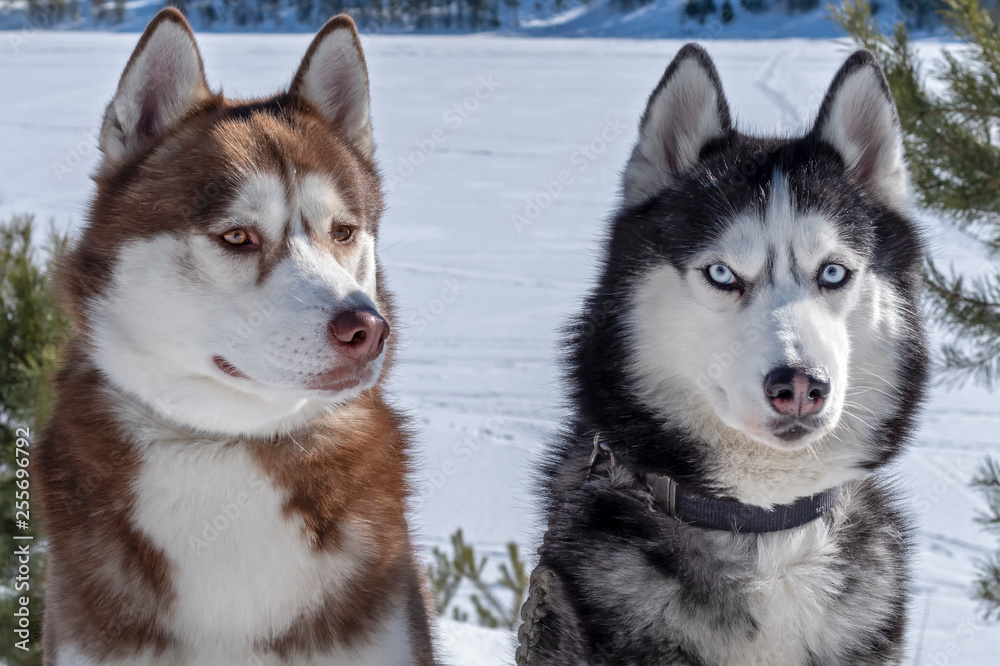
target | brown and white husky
[{"x": 223, "y": 482}]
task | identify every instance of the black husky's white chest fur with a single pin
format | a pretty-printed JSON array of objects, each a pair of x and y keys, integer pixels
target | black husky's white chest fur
[{"x": 750, "y": 357}]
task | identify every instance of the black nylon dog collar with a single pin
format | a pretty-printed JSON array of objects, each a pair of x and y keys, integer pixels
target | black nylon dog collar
[
  {"x": 734, "y": 516},
  {"x": 725, "y": 514}
]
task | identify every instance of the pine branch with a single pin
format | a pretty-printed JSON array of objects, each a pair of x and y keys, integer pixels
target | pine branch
[
  {"x": 962, "y": 158},
  {"x": 987, "y": 588},
  {"x": 971, "y": 316},
  {"x": 444, "y": 580},
  {"x": 964, "y": 112},
  {"x": 514, "y": 579},
  {"x": 987, "y": 481},
  {"x": 469, "y": 567},
  {"x": 486, "y": 616},
  {"x": 446, "y": 574}
]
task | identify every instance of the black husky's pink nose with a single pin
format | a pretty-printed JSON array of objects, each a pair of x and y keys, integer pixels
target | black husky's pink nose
[
  {"x": 797, "y": 392},
  {"x": 359, "y": 334}
]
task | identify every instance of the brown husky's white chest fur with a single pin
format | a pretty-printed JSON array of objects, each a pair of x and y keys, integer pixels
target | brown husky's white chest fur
[{"x": 222, "y": 480}]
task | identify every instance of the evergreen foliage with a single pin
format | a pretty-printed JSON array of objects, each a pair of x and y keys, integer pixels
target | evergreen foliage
[
  {"x": 699, "y": 10},
  {"x": 514, "y": 6},
  {"x": 988, "y": 583},
  {"x": 727, "y": 16},
  {"x": 952, "y": 135},
  {"x": 953, "y": 144},
  {"x": 800, "y": 6},
  {"x": 447, "y": 572},
  {"x": 32, "y": 328}
]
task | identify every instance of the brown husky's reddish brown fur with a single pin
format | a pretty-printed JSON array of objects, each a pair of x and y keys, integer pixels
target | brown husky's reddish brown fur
[{"x": 110, "y": 587}]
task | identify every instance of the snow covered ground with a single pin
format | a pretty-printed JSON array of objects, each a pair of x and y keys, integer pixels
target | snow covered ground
[{"x": 481, "y": 296}]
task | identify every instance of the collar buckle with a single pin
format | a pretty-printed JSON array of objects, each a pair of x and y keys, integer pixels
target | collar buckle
[{"x": 664, "y": 491}]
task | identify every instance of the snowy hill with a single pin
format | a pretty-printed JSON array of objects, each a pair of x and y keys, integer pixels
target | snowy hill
[
  {"x": 635, "y": 19},
  {"x": 666, "y": 19}
]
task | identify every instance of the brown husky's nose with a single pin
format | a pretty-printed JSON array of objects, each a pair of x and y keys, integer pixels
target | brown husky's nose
[
  {"x": 360, "y": 334},
  {"x": 797, "y": 392}
]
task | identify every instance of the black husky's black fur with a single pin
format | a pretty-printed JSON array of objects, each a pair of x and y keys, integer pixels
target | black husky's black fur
[{"x": 626, "y": 584}]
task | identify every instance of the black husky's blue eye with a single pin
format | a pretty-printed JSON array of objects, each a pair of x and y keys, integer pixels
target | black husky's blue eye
[
  {"x": 833, "y": 276},
  {"x": 721, "y": 275}
]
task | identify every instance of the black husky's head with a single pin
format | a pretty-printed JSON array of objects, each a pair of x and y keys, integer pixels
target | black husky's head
[{"x": 755, "y": 328}]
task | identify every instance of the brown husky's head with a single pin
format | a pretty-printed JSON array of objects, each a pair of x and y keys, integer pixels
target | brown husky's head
[{"x": 228, "y": 276}]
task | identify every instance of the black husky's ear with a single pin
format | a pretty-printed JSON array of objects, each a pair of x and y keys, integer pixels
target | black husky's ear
[
  {"x": 162, "y": 81},
  {"x": 333, "y": 79},
  {"x": 686, "y": 110},
  {"x": 858, "y": 118}
]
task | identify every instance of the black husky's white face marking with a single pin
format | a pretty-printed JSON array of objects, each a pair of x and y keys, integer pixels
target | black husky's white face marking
[
  {"x": 758, "y": 325},
  {"x": 762, "y": 291}
]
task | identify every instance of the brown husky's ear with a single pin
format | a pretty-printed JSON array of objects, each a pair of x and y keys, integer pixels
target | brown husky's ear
[
  {"x": 162, "y": 81},
  {"x": 858, "y": 118},
  {"x": 686, "y": 110},
  {"x": 333, "y": 79}
]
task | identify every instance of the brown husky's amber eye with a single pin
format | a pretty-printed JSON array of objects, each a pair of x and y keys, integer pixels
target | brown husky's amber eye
[
  {"x": 342, "y": 234},
  {"x": 236, "y": 237}
]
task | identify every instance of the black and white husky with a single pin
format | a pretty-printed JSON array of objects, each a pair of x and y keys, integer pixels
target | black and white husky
[{"x": 749, "y": 359}]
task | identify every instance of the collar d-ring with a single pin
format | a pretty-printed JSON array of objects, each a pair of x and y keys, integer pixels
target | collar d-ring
[{"x": 600, "y": 448}]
